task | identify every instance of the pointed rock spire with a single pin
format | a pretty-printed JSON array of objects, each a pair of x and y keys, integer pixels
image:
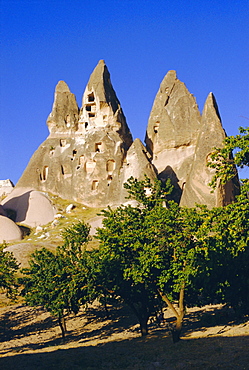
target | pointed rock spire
[
  {"x": 64, "y": 115},
  {"x": 137, "y": 163},
  {"x": 101, "y": 107},
  {"x": 172, "y": 131},
  {"x": 196, "y": 189}
]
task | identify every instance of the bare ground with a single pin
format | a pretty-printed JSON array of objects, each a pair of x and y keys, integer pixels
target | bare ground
[{"x": 211, "y": 339}]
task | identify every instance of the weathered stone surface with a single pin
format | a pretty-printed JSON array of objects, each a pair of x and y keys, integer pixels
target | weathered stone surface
[
  {"x": 29, "y": 207},
  {"x": 101, "y": 107},
  {"x": 65, "y": 111},
  {"x": 196, "y": 189},
  {"x": 89, "y": 153},
  {"x": 172, "y": 131},
  {"x": 85, "y": 164},
  {"x": 9, "y": 231},
  {"x": 180, "y": 141},
  {"x": 6, "y": 187},
  {"x": 2, "y": 211},
  {"x": 137, "y": 162}
]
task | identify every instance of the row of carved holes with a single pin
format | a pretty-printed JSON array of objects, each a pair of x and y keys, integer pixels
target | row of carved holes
[{"x": 95, "y": 183}]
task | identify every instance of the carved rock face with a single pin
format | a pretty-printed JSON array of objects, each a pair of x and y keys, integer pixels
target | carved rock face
[
  {"x": 90, "y": 153},
  {"x": 84, "y": 157}
]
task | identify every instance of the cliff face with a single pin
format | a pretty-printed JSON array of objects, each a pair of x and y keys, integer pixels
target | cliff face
[{"x": 90, "y": 153}]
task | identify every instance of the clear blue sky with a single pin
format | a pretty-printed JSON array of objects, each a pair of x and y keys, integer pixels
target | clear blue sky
[{"x": 44, "y": 41}]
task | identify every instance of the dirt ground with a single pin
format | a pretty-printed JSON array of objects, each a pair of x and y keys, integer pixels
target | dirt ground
[{"x": 31, "y": 340}]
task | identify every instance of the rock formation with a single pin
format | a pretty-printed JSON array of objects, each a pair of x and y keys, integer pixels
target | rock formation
[
  {"x": 85, "y": 156},
  {"x": 9, "y": 231},
  {"x": 6, "y": 187},
  {"x": 29, "y": 207},
  {"x": 180, "y": 141},
  {"x": 89, "y": 152},
  {"x": 196, "y": 189}
]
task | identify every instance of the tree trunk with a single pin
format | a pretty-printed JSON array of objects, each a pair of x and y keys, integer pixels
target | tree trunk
[
  {"x": 62, "y": 324},
  {"x": 143, "y": 320},
  {"x": 176, "y": 331},
  {"x": 106, "y": 310},
  {"x": 143, "y": 326}
]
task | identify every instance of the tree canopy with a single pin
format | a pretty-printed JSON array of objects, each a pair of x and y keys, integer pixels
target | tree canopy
[
  {"x": 225, "y": 163},
  {"x": 8, "y": 269}
]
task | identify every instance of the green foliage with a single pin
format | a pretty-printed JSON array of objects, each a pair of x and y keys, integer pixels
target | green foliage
[
  {"x": 59, "y": 282},
  {"x": 225, "y": 240},
  {"x": 8, "y": 268},
  {"x": 147, "y": 194},
  {"x": 149, "y": 252},
  {"x": 225, "y": 164}
]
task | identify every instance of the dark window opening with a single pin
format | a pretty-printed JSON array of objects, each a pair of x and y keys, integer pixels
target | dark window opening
[
  {"x": 98, "y": 147},
  {"x": 156, "y": 129},
  {"x": 91, "y": 97},
  {"x": 63, "y": 142},
  {"x": 74, "y": 152},
  {"x": 95, "y": 184},
  {"x": 44, "y": 174},
  {"x": 91, "y": 114},
  {"x": 86, "y": 124},
  {"x": 88, "y": 108}
]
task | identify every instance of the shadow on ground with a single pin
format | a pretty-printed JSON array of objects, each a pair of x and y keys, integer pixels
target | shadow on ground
[{"x": 154, "y": 352}]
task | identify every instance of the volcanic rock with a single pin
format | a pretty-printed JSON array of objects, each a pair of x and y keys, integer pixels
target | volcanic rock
[
  {"x": 173, "y": 130},
  {"x": 197, "y": 189},
  {"x": 84, "y": 160},
  {"x": 6, "y": 187},
  {"x": 29, "y": 207},
  {"x": 89, "y": 153},
  {"x": 180, "y": 141},
  {"x": 9, "y": 231}
]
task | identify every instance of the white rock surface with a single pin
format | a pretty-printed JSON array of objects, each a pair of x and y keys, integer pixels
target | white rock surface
[
  {"x": 9, "y": 231},
  {"x": 32, "y": 207}
]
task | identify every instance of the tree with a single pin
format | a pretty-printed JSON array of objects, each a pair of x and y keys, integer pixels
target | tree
[
  {"x": 228, "y": 241},
  {"x": 149, "y": 252},
  {"x": 59, "y": 282},
  {"x": 8, "y": 268},
  {"x": 225, "y": 163}
]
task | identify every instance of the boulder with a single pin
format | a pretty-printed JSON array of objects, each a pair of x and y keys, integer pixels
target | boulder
[
  {"x": 29, "y": 207},
  {"x": 9, "y": 231}
]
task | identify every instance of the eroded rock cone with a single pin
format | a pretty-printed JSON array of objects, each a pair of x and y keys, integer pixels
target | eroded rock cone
[
  {"x": 197, "y": 189},
  {"x": 84, "y": 157}
]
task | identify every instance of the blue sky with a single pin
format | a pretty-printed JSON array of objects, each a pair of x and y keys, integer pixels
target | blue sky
[{"x": 43, "y": 42}]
